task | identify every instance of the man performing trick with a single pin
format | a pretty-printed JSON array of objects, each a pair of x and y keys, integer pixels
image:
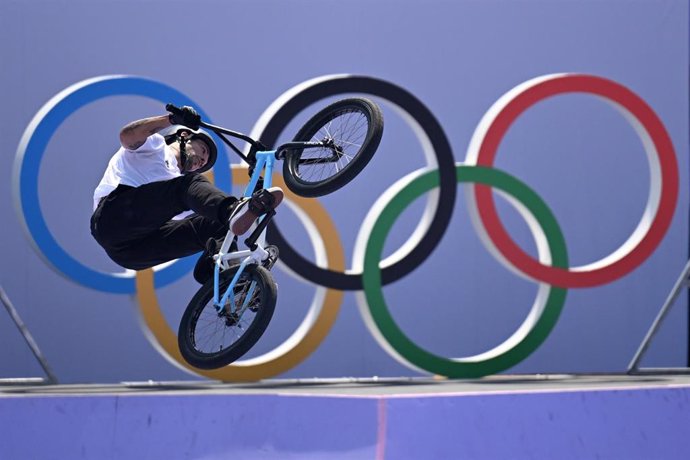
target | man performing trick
[{"x": 154, "y": 178}]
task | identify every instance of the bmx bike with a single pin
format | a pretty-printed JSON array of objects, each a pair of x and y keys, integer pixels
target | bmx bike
[{"x": 231, "y": 311}]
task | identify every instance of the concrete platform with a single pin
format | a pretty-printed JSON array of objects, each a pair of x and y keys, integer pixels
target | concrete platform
[{"x": 510, "y": 416}]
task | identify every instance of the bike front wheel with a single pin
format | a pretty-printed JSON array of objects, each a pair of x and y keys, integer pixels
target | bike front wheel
[
  {"x": 211, "y": 337},
  {"x": 350, "y": 131}
]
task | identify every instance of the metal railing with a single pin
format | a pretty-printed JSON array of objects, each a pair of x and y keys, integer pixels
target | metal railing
[
  {"x": 50, "y": 377},
  {"x": 681, "y": 285}
]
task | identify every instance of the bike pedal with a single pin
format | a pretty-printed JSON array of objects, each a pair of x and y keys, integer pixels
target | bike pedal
[{"x": 272, "y": 257}]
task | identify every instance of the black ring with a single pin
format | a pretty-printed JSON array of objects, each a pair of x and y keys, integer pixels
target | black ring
[{"x": 444, "y": 155}]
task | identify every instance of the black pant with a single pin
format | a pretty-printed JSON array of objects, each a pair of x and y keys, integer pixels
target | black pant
[{"x": 134, "y": 224}]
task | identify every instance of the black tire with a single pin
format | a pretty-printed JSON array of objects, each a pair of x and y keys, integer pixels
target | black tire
[
  {"x": 354, "y": 126},
  {"x": 209, "y": 339}
]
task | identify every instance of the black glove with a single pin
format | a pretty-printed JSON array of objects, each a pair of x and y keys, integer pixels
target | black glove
[{"x": 185, "y": 116}]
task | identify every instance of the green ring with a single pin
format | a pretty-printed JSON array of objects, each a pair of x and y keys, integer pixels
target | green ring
[{"x": 378, "y": 309}]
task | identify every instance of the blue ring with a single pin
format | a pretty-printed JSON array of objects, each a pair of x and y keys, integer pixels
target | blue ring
[{"x": 28, "y": 160}]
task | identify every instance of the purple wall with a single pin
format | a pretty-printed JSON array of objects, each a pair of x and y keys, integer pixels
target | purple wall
[{"x": 605, "y": 424}]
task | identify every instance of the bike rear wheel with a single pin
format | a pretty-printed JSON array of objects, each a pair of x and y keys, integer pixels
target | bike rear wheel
[
  {"x": 350, "y": 130},
  {"x": 208, "y": 338}
]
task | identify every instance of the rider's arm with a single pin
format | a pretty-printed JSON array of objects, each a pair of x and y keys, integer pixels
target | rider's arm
[{"x": 134, "y": 134}]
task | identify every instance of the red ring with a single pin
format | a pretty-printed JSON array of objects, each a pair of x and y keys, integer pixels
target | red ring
[{"x": 571, "y": 83}]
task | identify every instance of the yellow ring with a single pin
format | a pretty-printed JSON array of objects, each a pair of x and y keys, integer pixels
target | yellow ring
[{"x": 271, "y": 363}]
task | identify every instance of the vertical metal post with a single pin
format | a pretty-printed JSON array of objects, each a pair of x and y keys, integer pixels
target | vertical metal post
[{"x": 29, "y": 339}]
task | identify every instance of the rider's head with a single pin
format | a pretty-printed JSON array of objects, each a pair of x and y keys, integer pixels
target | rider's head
[{"x": 198, "y": 151}]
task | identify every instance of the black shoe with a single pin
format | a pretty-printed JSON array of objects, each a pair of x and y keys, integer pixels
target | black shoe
[
  {"x": 203, "y": 270},
  {"x": 249, "y": 209}
]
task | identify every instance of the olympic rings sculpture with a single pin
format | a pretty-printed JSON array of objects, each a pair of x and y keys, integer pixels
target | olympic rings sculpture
[{"x": 369, "y": 273}]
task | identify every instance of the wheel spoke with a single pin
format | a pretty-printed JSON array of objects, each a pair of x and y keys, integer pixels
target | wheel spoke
[
  {"x": 347, "y": 129},
  {"x": 215, "y": 332}
]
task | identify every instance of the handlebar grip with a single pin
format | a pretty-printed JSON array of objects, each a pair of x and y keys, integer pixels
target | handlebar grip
[{"x": 172, "y": 109}]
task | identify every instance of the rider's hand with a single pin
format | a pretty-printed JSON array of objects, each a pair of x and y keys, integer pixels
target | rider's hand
[{"x": 186, "y": 116}]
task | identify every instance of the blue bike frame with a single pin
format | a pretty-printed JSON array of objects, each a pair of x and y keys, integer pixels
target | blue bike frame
[{"x": 265, "y": 161}]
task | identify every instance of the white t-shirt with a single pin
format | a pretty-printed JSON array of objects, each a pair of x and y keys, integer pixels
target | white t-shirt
[{"x": 152, "y": 162}]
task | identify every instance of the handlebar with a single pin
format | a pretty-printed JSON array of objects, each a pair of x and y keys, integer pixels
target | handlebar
[
  {"x": 222, "y": 132},
  {"x": 256, "y": 145}
]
